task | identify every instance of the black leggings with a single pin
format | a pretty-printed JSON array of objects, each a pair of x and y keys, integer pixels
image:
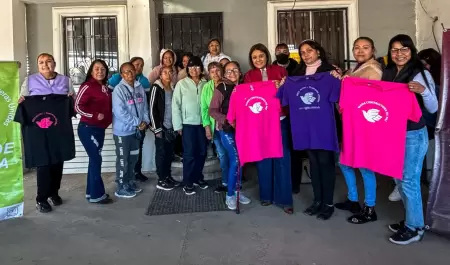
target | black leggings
[{"x": 323, "y": 175}]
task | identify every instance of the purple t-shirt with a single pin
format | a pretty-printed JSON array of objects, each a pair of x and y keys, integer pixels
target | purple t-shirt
[{"x": 311, "y": 100}]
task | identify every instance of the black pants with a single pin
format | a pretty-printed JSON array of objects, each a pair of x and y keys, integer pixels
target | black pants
[
  {"x": 163, "y": 157},
  {"x": 323, "y": 175},
  {"x": 297, "y": 167},
  {"x": 138, "y": 167},
  {"x": 48, "y": 181},
  {"x": 194, "y": 153}
]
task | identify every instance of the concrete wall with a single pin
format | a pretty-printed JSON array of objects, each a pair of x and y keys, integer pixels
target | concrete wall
[
  {"x": 39, "y": 27},
  {"x": 434, "y": 8}
]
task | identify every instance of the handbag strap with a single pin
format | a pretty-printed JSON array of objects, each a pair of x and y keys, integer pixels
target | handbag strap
[{"x": 132, "y": 98}]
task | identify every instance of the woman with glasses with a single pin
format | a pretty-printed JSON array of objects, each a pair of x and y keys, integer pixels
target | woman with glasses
[
  {"x": 187, "y": 120},
  {"x": 404, "y": 66},
  {"x": 226, "y": 133}
]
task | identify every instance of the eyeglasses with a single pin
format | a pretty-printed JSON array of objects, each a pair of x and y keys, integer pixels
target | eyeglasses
[
  {"x": 229, "y": 72},
  {"x": 194, "y": 67},
  {"x": 403, "y": 50}
]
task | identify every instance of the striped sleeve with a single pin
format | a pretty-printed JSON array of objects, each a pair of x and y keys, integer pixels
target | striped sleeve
[{"x": 81, "y": 102}]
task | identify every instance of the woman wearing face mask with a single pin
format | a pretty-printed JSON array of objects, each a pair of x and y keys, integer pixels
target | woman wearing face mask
[
  {"x": 46, "y": 82},
  {"x": 272, "y": 170},
  {"x": 322, "y": 162},
  {"x": 130, "y": 113},
  {"x": 187, "y": 120},
  {"x": 214, "y": 53},
  {"x": 368, "y": 68},
  {"x": 167, "y": 58},
  {"x": 282, "y": 54},
  {"x": 404, "y": 66},
  {"x": 94, "y": 104},
  {"x": 226, "y": 133},
  {"x": 215, "y": 74}
]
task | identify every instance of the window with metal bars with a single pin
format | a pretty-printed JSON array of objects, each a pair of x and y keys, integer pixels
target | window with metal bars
[
  {"x": 189, "y": 32},
  {"x": 87, "y": 39},
  {"x": 328, "y": 27}
]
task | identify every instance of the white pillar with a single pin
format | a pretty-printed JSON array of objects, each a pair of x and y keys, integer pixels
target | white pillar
[
  {"x": 143, "y": 42},
  {"x": 13, "y": 46}
]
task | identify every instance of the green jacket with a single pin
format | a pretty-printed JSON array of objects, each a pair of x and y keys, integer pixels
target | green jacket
[
  {"x": 186, "y": 103},
  {"x": 207, "y": 94}
]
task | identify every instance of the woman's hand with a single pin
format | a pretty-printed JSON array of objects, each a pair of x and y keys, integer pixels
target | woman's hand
[
  {"x": 70, "y": 94},
  {"x": 180, "y": 132},
  {"x": 279, "y": 83},
  {"x": 208, "y": 133},
  {"x": 21, "y": 99},
  {"x": 142, "y": 126},
  {"x": 416, "y": 87},
  {"x": 336, "y": 74},
  {"x": 158, "y": 135},
  {"x": 100, "y": 116}
]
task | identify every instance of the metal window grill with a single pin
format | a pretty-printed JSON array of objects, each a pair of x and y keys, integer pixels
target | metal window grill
[{"x": 87, "y": 39}]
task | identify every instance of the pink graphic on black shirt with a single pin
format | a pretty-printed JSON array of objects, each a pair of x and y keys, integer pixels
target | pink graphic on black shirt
[{"x": 45, "y": 120}]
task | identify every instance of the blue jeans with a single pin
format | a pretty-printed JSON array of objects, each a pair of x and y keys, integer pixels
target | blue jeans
[
  {"x": 275, "y": 174},
  {"x": 409, "y": 187},
  {"x": 222, "y": 155},
  {"x": 229, "y": 143},
  {"x": 92, "y": 139},
  {"x": 370, "y": 184}
]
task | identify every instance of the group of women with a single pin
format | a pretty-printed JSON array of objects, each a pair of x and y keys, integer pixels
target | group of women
[{"x": 192, "y": 100}]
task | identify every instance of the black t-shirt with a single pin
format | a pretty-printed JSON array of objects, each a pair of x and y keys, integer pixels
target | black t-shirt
[{"x": 47, "y": 129}]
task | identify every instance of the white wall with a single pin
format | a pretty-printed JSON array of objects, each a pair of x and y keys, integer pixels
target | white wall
[{"x": 439, "y": 8}]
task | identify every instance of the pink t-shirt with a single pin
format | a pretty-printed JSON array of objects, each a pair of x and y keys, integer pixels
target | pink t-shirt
[
  {"x": 256, "y": 112},
  {"x": 374, "y": 116}
]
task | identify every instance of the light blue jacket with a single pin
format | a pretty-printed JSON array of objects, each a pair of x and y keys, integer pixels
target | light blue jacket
[
  {"x": 125, "y": 119},
  {"x": 114, "y": 80}
]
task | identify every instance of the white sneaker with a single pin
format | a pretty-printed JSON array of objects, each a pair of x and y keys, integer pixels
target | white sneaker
[
  {"x": 395, "y": 195},
  {"x": 231, "y": 202},
  {"x": 244, "y": 199}
]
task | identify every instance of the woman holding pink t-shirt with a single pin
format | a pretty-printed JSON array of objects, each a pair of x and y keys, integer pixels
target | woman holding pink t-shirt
[
  {"x": 368, "y": 68},
  {"x": 274, "y": 174},
  {"x": 404, "y": 66}
]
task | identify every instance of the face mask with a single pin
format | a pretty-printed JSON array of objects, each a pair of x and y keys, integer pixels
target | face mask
[{"x": 282, "y": 58}]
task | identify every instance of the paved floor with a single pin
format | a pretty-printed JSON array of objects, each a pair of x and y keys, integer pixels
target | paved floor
[{"x": 79, "y": 233}]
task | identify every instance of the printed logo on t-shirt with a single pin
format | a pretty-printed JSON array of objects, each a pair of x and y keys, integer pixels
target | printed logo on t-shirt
[
  {"x": 138, "y": 98},
  {"x": 310, "y": 97},
  {"x": 374, "y": 111},
  {"x": 45, "y": 120},
  {"x": 257, "y": 104}
]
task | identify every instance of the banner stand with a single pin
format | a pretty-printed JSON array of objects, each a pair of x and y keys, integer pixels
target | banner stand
[{"x": 11, "y": 167}]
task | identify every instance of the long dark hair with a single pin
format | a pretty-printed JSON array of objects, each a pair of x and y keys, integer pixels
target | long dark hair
[
  {"x": 91, "y": 68},
  {"x": 433, "y": 59},
  {"x": 241, "y": 76},
  {"x": 259, "y": 47},
  {"x": 325, "y": 66}
]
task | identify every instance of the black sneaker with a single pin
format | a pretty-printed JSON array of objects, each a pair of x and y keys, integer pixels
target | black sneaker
[
  {"x": 313, "y": 209},
  {"x": 365, "y": 216},
  {"x": 348, "y": 205},
  {"x": 406, "y": 236},
  {"x": 189, "y": 190},
  {"x": 164, "y": 185},
  {"x": 201, "y": 184},
  {"x": 221, "y": 189},
  {"x": 55, "y": 200},
  {"x": 396, "y": 227},
  {"x": 326, "y": 212},
  {"x": 171, "y": 180},
  {"x": 140, "y": 177},
  {"x": 106, "y": 200},
  {"x": 43, "y": 207}
]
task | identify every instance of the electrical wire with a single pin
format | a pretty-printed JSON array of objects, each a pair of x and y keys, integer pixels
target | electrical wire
[
  {"x": 426, "y": 12},
  {"x": 434, "y": 19}
]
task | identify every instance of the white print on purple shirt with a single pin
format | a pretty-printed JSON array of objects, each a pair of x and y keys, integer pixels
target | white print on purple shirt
[{"x": 309, "y": 97}]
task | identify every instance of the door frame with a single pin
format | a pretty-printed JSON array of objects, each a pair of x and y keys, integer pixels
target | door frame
[
  {"x": 58, "y": 14},
  {"x": 274, "y": 6}
]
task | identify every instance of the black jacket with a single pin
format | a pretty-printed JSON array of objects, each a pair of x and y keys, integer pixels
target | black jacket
[
  {"x": 291, "y": 66},
  {"x": 47, "y": 130},
  {"x": 157, "y": 107}
]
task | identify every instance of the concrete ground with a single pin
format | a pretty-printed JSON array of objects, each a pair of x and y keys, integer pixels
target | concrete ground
[{"x": 79, "y": 233}]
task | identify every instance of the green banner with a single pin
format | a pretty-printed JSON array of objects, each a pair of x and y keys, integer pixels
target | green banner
[{"x": 11, "y": 169}]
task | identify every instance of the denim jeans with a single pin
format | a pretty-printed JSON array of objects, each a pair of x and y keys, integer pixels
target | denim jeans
[
  {"x": 409, "y": 187},
  {"x": 127, "y": 153},
  {"x": 92, "y": 139},
  {"x": 229, "y": 143},
  {"x": 370, "y": 184},
  {"x": 222, "y": 155},
  {"x": 275, "y": 174}
]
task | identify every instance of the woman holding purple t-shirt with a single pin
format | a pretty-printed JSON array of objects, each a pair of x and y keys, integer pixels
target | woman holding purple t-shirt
[{"x": 322, "y": 162}]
